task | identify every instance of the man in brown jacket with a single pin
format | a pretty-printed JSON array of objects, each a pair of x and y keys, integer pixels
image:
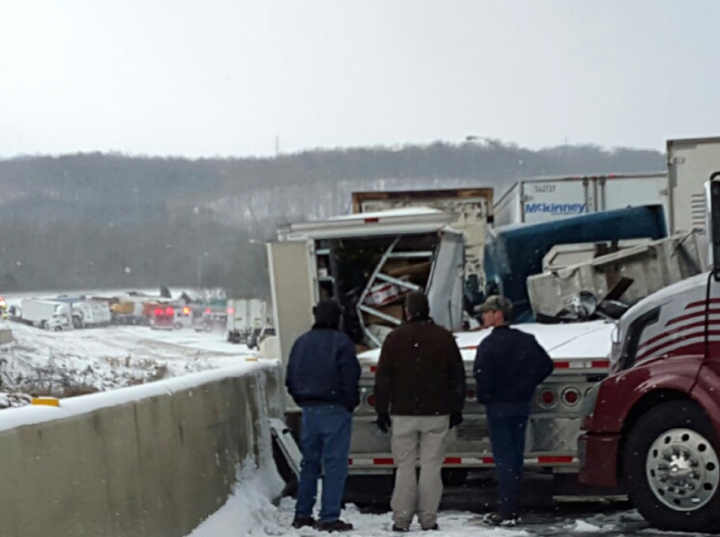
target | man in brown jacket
[{"x": 420, "y": 382}]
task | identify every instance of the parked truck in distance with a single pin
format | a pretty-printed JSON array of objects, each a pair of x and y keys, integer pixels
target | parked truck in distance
[
  {"x": 87, "y": 313},
  {"x": 653, "y": 426},
  {"x": 247, "y": 320},
  {"x": 47, "y": 314}
]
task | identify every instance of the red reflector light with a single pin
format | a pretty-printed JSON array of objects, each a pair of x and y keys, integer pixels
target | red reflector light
[
  {"x": 208, "y": 311},
  {"x": 373, "y": 368},
  {"x": 371, "y": 220},
  {"x": 231, "y": 311},
  {"x": 383, "y": 461},
  {"x": 169, "y": 311},
  {"x": 555, "y": 459},
  {"x": 371, "y": 400},
  {"x": 470, "y": 395},
  {"x": 453, "y": 460},
  {"x": 562, "y": 365},
  {"x": 158, "y": 311},
  {"x": 571, "y": 396},
  {"x": 600, "y": 364},
  {"x": 547, "y": 397}
]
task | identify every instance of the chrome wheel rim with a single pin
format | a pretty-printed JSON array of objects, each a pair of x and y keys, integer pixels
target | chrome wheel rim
[{"x": 682, "y": 469}]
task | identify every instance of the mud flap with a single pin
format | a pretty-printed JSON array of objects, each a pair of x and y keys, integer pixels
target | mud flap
[{"x": 285, "y": 441}]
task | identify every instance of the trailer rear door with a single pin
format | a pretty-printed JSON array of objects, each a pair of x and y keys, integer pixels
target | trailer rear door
[{"x": 293, "y": 281}]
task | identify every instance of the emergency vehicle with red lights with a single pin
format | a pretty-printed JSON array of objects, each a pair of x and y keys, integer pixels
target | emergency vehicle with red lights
[{"x": 170, "y": 316}]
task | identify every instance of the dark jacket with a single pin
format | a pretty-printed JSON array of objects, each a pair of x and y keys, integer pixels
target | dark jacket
[
  {"x": 420, "y": 371},
  {"x": 323, "y": 369},
  {"x": 509, "y": 365}
]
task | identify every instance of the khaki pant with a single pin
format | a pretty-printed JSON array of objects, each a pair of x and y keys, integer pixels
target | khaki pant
[{"x": 414, "y": 436}]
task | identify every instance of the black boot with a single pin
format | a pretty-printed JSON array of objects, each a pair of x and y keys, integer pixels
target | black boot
[
  {"x": 303, "y": 522},
  {"x": 335, "y": 525}
]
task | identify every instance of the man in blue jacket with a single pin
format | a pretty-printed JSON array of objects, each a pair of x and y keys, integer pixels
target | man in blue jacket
[
  {"x": 322, "y": 377},
  {"x": 509, "y": 365}
]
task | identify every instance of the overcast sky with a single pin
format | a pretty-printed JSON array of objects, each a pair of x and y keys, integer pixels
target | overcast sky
[{"x": 239, "y": 77}]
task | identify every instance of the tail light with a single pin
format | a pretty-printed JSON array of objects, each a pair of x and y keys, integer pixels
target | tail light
[
  {"x": 470, "y": 395},
  {"x": 169, "y": 311},
  {"x": 571, "y": 396},
  {"x": 186, "y": 311},
  {"x": 231, "y": 311},
  {"x": 208, "y": 311},
  {"x": 158, "y": 311},
  {"x": 547, "y": 397},
  {"x": 370, "y": 400}
]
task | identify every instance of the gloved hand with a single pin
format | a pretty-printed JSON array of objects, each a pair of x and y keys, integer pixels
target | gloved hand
[
  {"x": 383, "y": 421},
  {"x": 455, "y": 418}
]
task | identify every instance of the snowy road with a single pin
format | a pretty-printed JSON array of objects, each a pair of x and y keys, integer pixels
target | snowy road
[
  {"x": 249, "y": 512},
  {"x": 100, "y": 359}
]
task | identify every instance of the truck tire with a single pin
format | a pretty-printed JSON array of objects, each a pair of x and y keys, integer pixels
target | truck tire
[{"x": 672, "y": 469}]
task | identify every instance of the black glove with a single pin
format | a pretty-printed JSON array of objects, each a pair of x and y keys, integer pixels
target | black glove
[
  {"x": 383, "y": 421},
  {"x": 455, "y": 418}
]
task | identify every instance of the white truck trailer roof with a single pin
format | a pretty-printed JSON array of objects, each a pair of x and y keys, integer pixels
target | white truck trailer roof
[{"x": 572, "y": 344}]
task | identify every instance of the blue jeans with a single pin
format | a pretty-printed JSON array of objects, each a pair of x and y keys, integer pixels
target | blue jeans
[
  {"x": 507, "y": 423},
  {"x": 324, "y": 439}
]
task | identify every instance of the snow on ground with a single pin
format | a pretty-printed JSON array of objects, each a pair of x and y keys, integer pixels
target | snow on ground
[
  {"x": 250, "y": 512},
  {"x": 74, "y": 362}
]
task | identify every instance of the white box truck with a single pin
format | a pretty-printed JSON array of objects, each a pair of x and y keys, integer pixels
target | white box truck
[
  {"x": 87, "y": 313},
  {"x": 544, "y": 199},
  {"x": 48, "y": 314},
  {"x": 246, "y": 317},
  {"x": 690, "y": 162}
]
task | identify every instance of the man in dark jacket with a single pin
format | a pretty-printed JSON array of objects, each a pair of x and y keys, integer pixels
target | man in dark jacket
[
  {"x": 420, "y": 381},
  {"x": 509, "y": 365},
  {"x": 323, "y": 373}
]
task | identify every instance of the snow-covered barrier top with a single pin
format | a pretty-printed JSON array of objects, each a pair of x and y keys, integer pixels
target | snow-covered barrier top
[{"x": 147, "y": 460}]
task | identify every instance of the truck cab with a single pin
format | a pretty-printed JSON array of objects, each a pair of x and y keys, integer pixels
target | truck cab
[{"x": 653, "y": 426}]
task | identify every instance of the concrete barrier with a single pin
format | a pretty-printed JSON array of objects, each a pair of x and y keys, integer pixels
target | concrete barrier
[
  {"x": 6, "y": 336},
  {"x": 148, "y": 461}
]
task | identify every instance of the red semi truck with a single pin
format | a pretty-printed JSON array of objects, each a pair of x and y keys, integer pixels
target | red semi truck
[{"x": 652, "y": 427}]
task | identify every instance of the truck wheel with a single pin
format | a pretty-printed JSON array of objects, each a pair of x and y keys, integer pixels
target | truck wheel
[
  {"x": 672, "y": 472},
  {"x": 177, "y": 326}
]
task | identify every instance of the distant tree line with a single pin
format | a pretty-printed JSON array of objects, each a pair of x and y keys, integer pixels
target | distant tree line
[{"x": 113, "y": 221}]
